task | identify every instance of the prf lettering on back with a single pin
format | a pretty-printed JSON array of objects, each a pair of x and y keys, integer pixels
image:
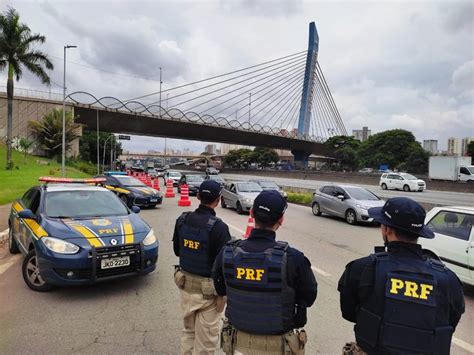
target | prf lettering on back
[
  {"x": 410, "y": 289},
  {"x": 191, "y": 244},
  {"x": 250, "y": 274},
  {"x": 108, "y": 231}
]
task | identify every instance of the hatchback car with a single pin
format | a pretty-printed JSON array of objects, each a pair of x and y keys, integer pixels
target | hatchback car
[
  {"x": 348, "y": 202},
  {"x": 72, "y": 233},
  {"x": 217, "y": 178},
  {"x": 132, "y": 191},
  {"x": 174, "y": 176},
  {"x": 454, "y": 239},
  {"x": 270, "y": 185},
  {"x": 193, "y": 181},
  {"x": 240, "y": 195},
  {"x": 401, "y": 181}
]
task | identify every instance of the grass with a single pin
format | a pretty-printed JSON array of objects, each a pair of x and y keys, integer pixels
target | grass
[
  {"x": 301, "y": 198},
  {"x": 25, "y": 173}
]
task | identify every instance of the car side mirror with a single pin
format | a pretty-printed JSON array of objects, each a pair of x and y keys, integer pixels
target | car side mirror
[
  {"x": 135, "y": 209},
  {"x": 26, "y": 214},
  {"x": 341, "y": 197}
]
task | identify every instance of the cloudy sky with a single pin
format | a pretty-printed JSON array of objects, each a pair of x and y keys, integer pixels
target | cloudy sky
[{"x": 389, "y": 64}]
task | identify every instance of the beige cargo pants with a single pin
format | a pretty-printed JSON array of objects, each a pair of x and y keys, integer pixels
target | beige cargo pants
[{"x": 201, "y": 324}]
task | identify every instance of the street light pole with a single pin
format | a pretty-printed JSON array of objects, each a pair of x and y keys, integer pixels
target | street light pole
[
  {"x": 103, "y": 155},
  {"x": 98, "y": 145},
  {"x": 161, "y": 82},
  {"x": 63, "y": 154}
]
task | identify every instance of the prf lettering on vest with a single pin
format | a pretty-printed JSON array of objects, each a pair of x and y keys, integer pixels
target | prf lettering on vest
[
  {"x": 410, "y": 288},
  {"x": 250, "y": 274},
  {"x": 191, "y": 244}
]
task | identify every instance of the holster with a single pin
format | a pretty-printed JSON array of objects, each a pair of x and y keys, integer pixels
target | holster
[
  {"x": 179, "y": 277},
  {"x": 296, "y": 341},
  {"x": 227, "y": 338},
  {"x": 352, "y": 349}
]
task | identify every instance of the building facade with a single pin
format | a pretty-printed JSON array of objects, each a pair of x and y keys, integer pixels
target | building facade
[
  {"x": 210, "y": 149},
  {"x": 454, "y": 146},
  {"x": 431, "y": 145},
  {"x": 464, "y": 143},
  {"x": 362, "y": 134}
]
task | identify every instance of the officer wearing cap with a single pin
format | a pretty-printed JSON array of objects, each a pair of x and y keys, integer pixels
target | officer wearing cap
[
  {"x": 268, "y": 285},
  {"x": 198, "y": 238},
  {"x": 401, "y": 301}
]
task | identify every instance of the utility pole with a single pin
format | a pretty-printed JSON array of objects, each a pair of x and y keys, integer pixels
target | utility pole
[
  {"x": 161, "y": 82},
  {"x": 63, "y": 154},
  {"x": 112, "y": 152},
  {"x": 98, "y": 145}
]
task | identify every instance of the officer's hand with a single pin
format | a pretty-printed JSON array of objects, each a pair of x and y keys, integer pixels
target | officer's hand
[{"x": 221, "y": 301}]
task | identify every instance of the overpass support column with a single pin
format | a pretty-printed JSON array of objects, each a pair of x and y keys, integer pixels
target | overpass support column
[{"x": 301, "y": 158}]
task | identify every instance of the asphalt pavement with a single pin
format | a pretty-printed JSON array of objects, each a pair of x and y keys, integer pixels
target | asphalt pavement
[
  {"x": 433, "y": 197},
  {"x": 142, "y": 314}
]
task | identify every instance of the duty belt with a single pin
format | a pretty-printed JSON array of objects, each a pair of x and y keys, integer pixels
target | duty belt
[{"x": 193, "y": 283}]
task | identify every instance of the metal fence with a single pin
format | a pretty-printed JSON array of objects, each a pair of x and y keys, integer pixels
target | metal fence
[{"x": 36, "y": 94}]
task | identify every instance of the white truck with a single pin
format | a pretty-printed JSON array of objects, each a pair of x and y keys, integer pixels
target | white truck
[{"x": 451, "y": 168}]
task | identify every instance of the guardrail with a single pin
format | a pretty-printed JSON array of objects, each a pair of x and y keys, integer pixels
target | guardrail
[{"x": 35, "y": 94}]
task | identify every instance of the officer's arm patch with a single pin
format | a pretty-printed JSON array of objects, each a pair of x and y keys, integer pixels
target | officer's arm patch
[
  {"x": 411, "y": 289},
  {"x": 251, "y": 274}
]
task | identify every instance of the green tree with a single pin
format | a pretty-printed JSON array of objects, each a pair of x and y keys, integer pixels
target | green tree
[
  {"x": 345, "y": 150},
  {"x": 25, "y": 145},
  {"x": 470, "y": 151},
  {"x": 48, "y": 132},
  {"x": 88, "y": 146},
  {"x": 16, "y": 52},
  {"x": 265, "y": 156},
  {"x": 391, "y": 147},
  {"x": 239, "y": 158}
]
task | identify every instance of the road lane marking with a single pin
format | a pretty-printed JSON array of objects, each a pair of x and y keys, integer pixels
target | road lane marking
[
  {"x": 4, "y": 267},
  {"x": 321, "y": 272},
  {"x": 463, "y": 344},
  {"x": 235, "y": 228}
]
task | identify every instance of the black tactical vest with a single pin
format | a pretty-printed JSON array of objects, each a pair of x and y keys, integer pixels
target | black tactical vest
[
  {"x": 194, "y": 256},
  {"x": 259, "y": 300},
  {"x": 408, "y": 311}
]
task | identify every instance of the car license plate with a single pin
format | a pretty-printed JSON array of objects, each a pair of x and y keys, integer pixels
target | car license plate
[
  {"x": 153, "y": 200},
  {"x": 114, "y": 262}
]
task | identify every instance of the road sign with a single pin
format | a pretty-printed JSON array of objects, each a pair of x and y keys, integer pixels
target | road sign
[{"x": 123, "y": 137}]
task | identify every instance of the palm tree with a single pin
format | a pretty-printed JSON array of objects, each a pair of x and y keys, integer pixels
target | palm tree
[{"x": 16, "y": 52}]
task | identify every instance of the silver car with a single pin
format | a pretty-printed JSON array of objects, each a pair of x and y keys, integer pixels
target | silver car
[
  {"x": 349, "y": 202},
  {"x": 240, "y": 195}
]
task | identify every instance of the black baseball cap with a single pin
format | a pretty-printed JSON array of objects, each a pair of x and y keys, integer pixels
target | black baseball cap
[
  {"x": 209, "y": 190},
  {"x": 404, "y": 214},
  {"x": 269, "y": 206}
]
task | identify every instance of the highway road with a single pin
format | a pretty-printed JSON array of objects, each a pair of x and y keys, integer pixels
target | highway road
[
  {"x": 142, "y": 315},
  {"x": 443, "y": 198}
]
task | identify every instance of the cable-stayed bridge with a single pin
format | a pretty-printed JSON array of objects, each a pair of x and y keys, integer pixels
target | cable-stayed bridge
[{"x": 282, "y": 103}]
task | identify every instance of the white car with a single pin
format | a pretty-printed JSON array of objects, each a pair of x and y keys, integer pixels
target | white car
[
  {"x": 454, "y": 239},
  {"x": 401, "y": 181}
]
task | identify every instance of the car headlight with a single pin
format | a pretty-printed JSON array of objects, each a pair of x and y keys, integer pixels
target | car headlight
[
  {"x": 248, "y": 200},
  {"x": 150, "y": 238},
  {"x": 60, "y": 246},
  {"x": 362, "y": 207},
  {"x": 284, "y": 194}
]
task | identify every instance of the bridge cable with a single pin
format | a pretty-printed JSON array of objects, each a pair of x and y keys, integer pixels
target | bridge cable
[
  {"x": 286, "y": 110},
  {"x": 325, "y": 114}
]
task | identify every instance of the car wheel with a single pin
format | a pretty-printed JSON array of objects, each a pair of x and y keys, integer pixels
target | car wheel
[
  {"x": 124, "y": 200},
  {"x": 12, "y": 244},
  {"x": 384, "y": 186},
  {"x": 406, "y": 188},
  {"x": 223, "y": 204},
  {"x": 31, "y": 273},
  {"x": 351, "y": 217},
  {"x": 239, "y": 208},
  {"x": 316, "y": 209}
]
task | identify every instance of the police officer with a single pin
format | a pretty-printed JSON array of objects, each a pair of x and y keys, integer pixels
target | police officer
[
  {"x": 198, "y": 238},
  {"x": 268, "y": 285},
  {"x": 401, "y": 301}
]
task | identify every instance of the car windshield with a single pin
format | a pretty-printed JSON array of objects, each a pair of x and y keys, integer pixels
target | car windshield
[
  {"x": 194, "y": 178},
  {"x": 269, "y": 185},
  {"x": 129, "y": 181},
  {"x": 471, "y": 170},
  {"x": 174, "y": 174},
  {"x": 409, "y": 177},
  {"x": 360, "y": 194},
  {"x": 83, "y": 204},
  {"x": 249, "y": 187}
]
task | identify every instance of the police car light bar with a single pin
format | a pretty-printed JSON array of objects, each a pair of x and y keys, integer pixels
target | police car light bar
[
  {"x": 109, "y": 173},
  {"x": 47, "y": 179}
]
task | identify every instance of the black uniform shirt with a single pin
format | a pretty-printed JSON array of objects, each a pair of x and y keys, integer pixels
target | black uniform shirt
[
  {"x": 353, "y": 294},
  {"x": 219, "y": 235},
  {"x": 299, "y": 274}
]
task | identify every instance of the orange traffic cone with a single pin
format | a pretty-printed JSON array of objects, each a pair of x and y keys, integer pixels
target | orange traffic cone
[
  {"x": 250, "y": 226},
  {"x": 148, "y": 180},
  {"x": 184, "y": 199},
  {"x": 156, "y": 183},
  {"x": 169, "y": 189}
]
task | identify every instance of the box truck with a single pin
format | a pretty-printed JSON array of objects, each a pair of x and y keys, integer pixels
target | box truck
[{"x": 451, "y": 168}]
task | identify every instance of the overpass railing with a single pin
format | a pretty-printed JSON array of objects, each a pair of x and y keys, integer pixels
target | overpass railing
[
  {"x": 34, "y": 94},
  {"x": 109, "y": 103}
]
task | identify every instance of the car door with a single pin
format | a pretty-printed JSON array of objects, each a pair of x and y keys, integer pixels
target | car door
[
  {"x": 327, "y": 199},
  {"x": 464, "y": 174},
  {"x": 453, "y": 240},
  {"x": 339, "y": 205},
  {"x": 31, "y": 202},
  {"x": 233, "y": 197}
]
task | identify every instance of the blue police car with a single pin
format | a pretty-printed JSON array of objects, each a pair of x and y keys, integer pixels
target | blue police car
[{"x": 73, "y": 232}]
